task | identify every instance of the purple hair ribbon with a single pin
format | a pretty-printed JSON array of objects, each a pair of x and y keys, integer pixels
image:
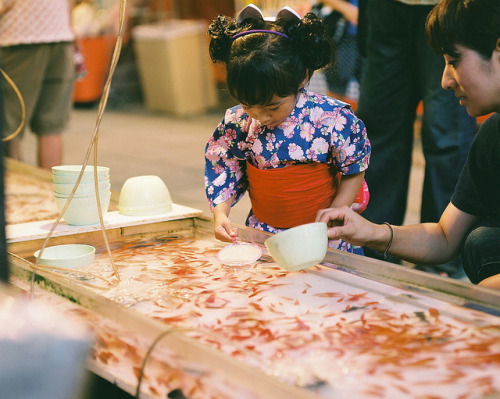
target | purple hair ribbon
[{"x": 248, "y": 32}]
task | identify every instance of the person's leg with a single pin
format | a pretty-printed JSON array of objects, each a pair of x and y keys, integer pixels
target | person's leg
[
  {"x": 17, "y": 62},
  {"x": 13, "y": 149},
  {"x": 51, "y": 114},
  {"x": 49, "y": 150},
  {"x": 481, "y": 252},
  {"x": 387, "y": 105}
]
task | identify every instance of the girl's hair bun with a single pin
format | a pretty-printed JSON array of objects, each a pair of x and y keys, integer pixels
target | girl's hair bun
[
  {"x": 221, "y": 31},
  {"x": 312, "y": 41},
  {"x": 261, "y": 64}
]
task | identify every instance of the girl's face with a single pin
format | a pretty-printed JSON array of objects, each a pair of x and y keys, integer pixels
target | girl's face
[
  {"x": 474, "y": 80},
  {"x": 272, "y": 114}
]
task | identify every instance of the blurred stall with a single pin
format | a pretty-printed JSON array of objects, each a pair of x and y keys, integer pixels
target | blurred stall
[
  {"x": 96, "y": 25},
  {"x": 174, "y": 66}
]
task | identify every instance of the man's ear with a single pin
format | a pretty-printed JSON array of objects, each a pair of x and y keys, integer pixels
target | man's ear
[{"x": 496, "y": 51}]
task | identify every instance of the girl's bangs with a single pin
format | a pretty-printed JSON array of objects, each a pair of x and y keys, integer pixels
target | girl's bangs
[
  {"x": 250, "y": 87},
  {"x": 256, "y": 82}
]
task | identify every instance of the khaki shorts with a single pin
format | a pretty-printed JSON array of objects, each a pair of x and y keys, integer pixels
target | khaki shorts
[{"x": 44, "y": 74}]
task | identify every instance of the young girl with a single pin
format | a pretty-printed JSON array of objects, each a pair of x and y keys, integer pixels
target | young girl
[{"x": 295, "y": 152}]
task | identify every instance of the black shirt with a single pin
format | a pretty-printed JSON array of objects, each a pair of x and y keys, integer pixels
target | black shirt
[{"x": 478, "y": 189}]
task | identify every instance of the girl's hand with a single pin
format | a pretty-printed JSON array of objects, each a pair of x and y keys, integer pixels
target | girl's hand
[{"x": 224, "y": 229}]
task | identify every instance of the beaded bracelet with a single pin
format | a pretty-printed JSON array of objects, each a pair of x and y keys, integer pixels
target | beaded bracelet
[{"x": 390, "y": 240}]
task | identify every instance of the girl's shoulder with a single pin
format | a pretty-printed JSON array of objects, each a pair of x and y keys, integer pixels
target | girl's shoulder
[
  {"x": 235, "y": 116},
  {"x": 315, "y": 100},
  {"x": 322, "y": 107}
]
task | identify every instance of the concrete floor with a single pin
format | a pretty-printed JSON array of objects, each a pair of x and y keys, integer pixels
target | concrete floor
[{"x": 136, "y": 141}]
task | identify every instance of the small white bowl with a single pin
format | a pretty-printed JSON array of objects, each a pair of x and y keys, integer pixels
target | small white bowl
[
  {"x": 299, "y": 247},
  {"x": 71, "y": 256},
  {"x": 82, "y": 211},
  {"x": 144, "y": 196}
]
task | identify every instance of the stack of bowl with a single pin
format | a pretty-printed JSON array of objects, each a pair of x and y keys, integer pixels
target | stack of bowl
[{"x": 82, "y": 209}]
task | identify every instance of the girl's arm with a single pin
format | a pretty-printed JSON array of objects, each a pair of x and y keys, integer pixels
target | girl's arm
[
  {"x": 224, "y": 175},
  {"x": 223, "y": 228},
  {"x": 348, "y": 189}
]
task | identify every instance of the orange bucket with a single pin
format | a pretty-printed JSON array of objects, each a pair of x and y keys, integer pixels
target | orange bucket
[{"x": 97, "y": 52}]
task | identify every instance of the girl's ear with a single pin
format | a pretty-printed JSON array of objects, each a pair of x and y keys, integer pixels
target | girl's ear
[{"x": 250, "y": 11}]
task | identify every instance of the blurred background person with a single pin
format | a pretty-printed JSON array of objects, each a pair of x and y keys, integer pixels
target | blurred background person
[
  {"x": 37, "y": 44},
  {"x": 400, "y": 71},
  {"x": 342, "y": 79}
]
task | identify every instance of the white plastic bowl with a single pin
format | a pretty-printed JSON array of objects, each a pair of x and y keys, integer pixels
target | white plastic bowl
[
  {"x": 82, "y": 211},
  {"x": 300, "y": 247},
  {"x": 144, "y": 196},
  {"x": 70, "y": 256}
]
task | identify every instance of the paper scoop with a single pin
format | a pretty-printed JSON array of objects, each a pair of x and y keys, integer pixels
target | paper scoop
[{"x": 239, "y": 254}]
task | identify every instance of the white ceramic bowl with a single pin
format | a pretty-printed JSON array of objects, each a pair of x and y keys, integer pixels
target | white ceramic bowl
[
  {"x": 83, "y": 189},
  {"x": 71, "y": 255},
  {"x": 68, "y": 174},
  {"x": 82, "y": 211},
  {"x": 74, "y": 170},
  {"x": 144, "y": 196},
  {"x": 86, "y": 179},
  {"x": 299, "y": 247}
]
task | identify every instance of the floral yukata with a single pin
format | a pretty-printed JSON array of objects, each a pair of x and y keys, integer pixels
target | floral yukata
[{"x": 320, "y": 130}]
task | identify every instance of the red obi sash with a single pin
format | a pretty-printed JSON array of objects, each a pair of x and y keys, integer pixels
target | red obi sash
[{"x": 292, "y": 195}]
